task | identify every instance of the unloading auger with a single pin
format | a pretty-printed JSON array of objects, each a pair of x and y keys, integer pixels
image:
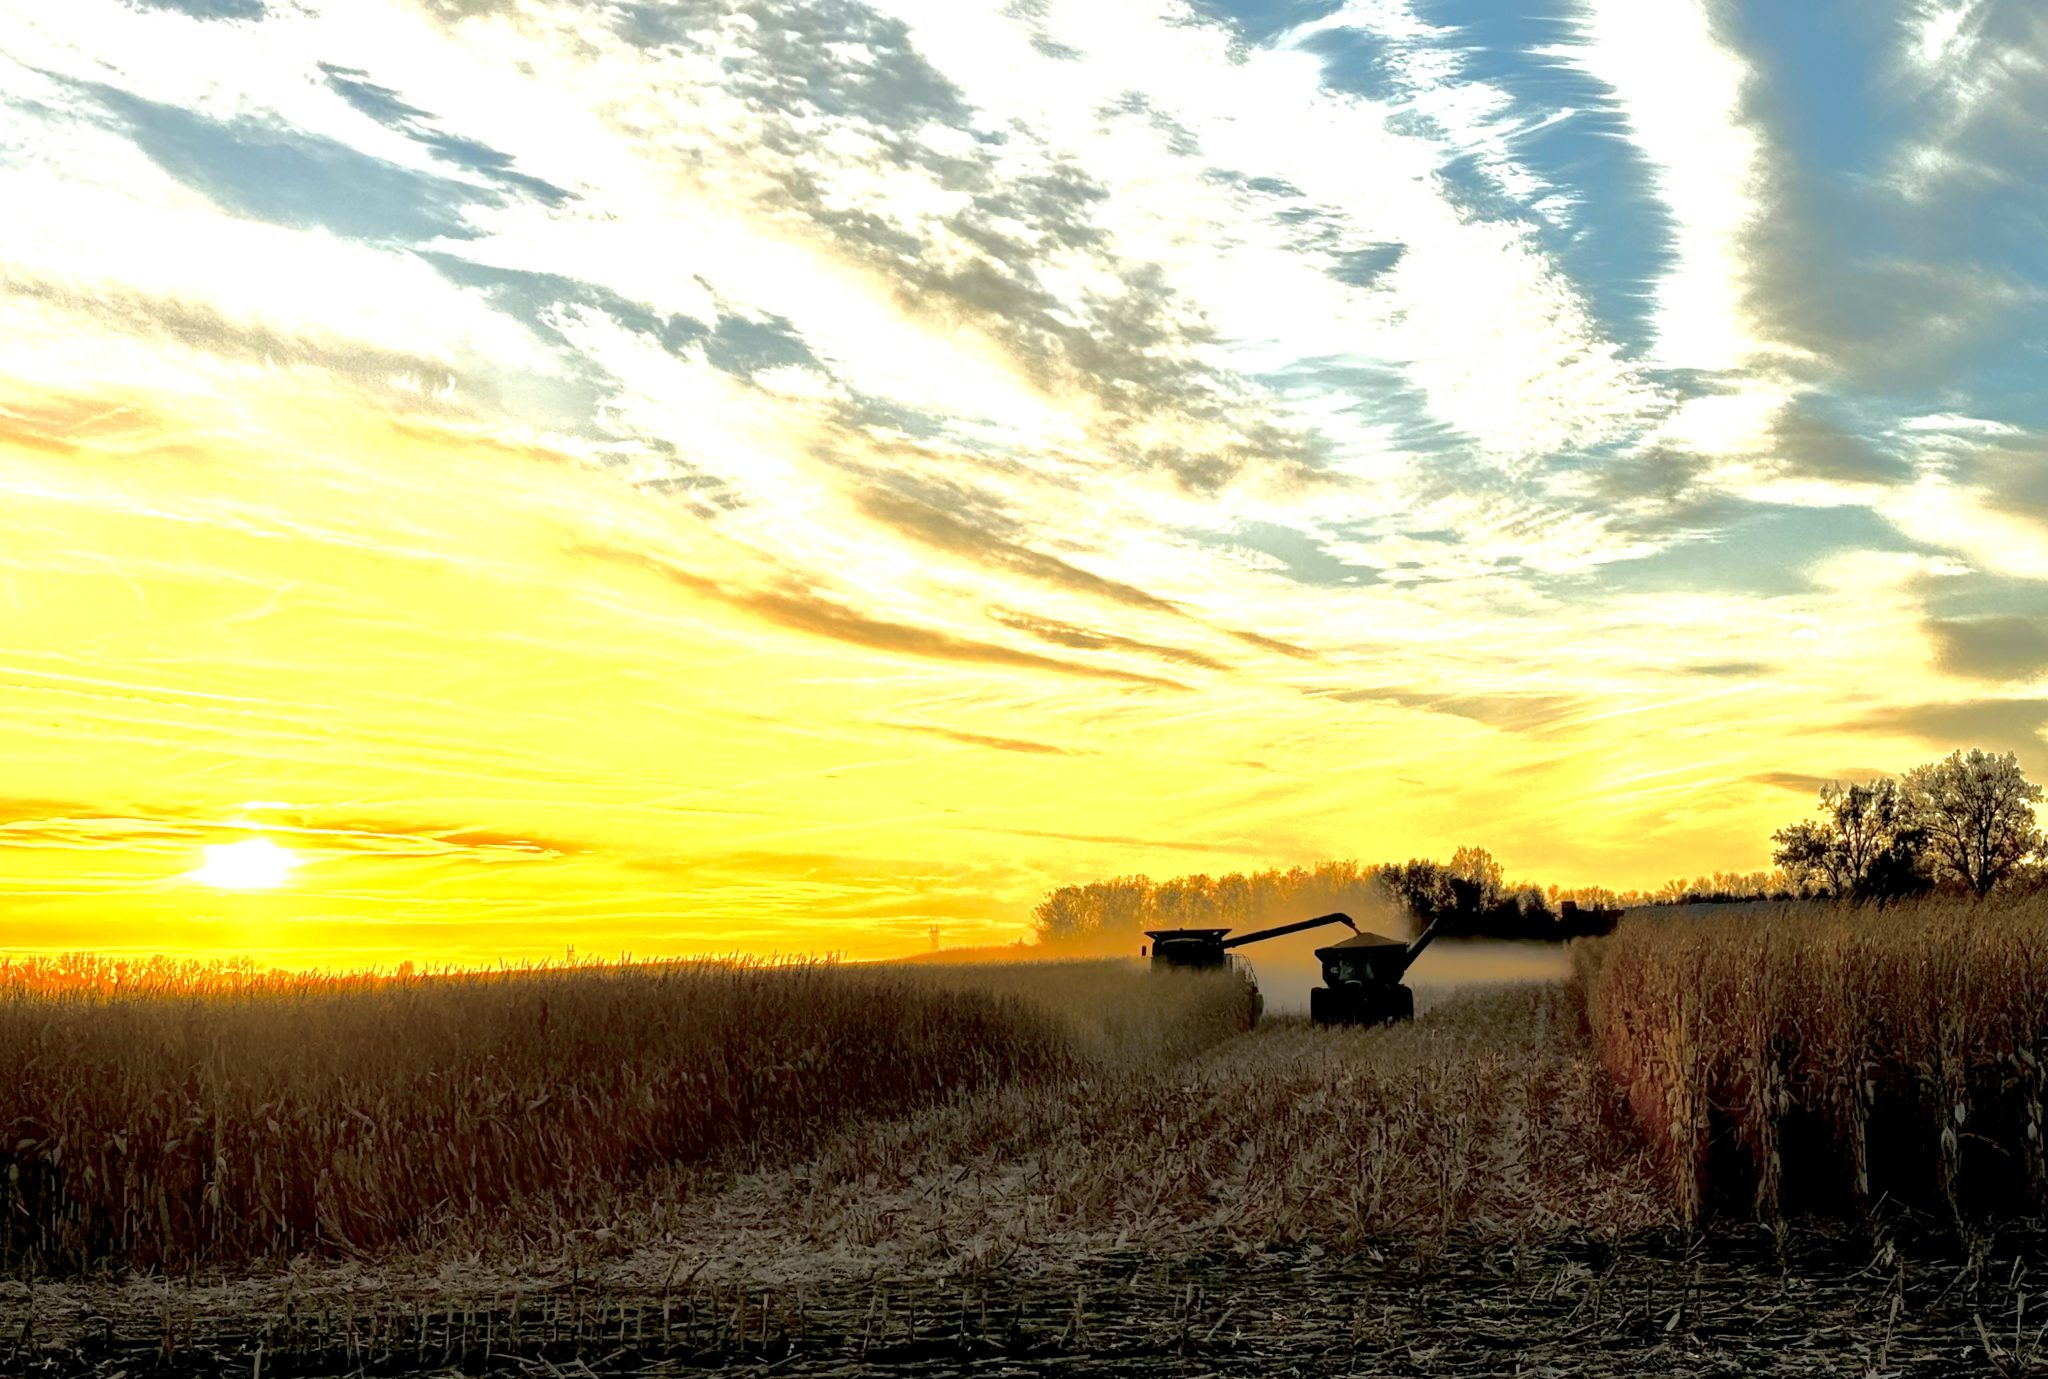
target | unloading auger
[{"x": 1199, "y": 950}]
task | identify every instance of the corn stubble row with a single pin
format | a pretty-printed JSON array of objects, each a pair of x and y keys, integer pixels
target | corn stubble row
[
  {"x": 169, "y": 1116},
  {"x": 1482, "y": 1118},
  {"x": 1796, "y": 1058}
]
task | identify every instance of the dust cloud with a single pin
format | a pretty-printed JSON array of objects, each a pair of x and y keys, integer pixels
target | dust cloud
[{"x": 1287, "y": 967}]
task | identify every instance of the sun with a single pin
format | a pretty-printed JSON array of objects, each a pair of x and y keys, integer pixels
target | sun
[{"x": 254, "y": 864}]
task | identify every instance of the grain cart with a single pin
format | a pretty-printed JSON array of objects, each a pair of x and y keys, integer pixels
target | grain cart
[{"x": 1362, "y": 980}]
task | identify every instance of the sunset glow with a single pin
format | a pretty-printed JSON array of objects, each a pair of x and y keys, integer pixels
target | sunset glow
[
  {"x": 718, "y": 478},
  {"x": 255, "y": 864}
]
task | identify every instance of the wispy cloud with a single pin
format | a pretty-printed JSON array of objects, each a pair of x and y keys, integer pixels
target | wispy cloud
[{"x": 804, "y": 611}]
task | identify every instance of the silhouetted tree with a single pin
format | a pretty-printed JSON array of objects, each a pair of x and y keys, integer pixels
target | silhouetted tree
[
  {"x": 1470, "y": 897},
  {"x": 1976, "y": 812},
  {"x": 1476, "y": 868},
  {"x": 1869, "y": 847},
  {"x": 1062, "y": 916},
  {"x": 1421, "y": 885}
]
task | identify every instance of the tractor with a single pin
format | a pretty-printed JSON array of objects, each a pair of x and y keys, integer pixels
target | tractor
[{"x": 1362, "y": 980}]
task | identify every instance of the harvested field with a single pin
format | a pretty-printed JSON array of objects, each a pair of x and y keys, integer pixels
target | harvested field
[
  {"x": 1160, "y": 1194},
  {"x": 1660, "y": 1305},
  {"x": 1484, "y": 1117},
  {"x": 1428, "y": 1200}
]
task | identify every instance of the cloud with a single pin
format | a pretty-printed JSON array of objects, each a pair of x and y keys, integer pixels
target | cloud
[
  {"x": 1660, "y": 478},
  {"x": 803, "y": 611},
  {"x": 1901, "y": 274},
  {"x": 208, "y": 9},
  {"x": 1510, "y": 713},
  {"x": 972, "y": 232},
  {"x": 1991, "y": 648},
  {"x": 1793, "y": 781},
  {"x": 1272, "y": 644},
  {"x": 74, "y": 825},
  {"x": 1088, "y": 639},
  {"x": 1119, "y": 840},
  {"x": 342, "y": 832},
  {"x": 2003, "y": 725},
  {"x": 985, "y": 542},
  {"x": 999, "y": 744},
  {"x": 1681, "y": 88},
  {"x": 472, "y": 156},
  {"x": 18, "y": 810},
  {"x": 1809, "y": 445},
  {"x": 2015, "y": 475},
  {"x": 289, "y": 177},
  {"x": 206, "y": 331}
]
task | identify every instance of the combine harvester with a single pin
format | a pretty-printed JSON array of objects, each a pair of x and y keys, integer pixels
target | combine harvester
[{"x": 1361, "y": 975}]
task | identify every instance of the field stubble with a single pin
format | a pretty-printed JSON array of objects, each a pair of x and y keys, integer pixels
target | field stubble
[
  {"x": 1428, "y": 1200},
  {"x": 1144, "y": 1194},
  {"x": 1483, "y": 1119}
]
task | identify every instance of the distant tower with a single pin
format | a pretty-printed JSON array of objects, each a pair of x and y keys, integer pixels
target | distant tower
[{"x": 935, "y": 938}]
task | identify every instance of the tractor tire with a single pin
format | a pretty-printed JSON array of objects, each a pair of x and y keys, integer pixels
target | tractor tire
[
  {"x": 1401, "y": 1006},
  {"x": 1320, "y": 1011}
]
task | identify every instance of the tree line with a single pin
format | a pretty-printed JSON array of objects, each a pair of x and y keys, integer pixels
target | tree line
[
  {"x": 1469, "y": 894},
  {"x": 1965, "y": 824}
]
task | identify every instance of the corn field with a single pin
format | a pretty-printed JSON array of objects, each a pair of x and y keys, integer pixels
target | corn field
[
  {"x": 1794, "y": 1059},
  {"x": 163, "y": 1115}
]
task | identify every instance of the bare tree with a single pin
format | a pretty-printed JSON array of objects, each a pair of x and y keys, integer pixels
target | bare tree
[{"x": 1977, "y": 811}]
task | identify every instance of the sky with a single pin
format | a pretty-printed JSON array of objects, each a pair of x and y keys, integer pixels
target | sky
[{"x": 482, "y": 478}]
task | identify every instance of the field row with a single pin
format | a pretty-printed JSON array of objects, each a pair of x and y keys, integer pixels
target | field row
[{"x": 1799, "y": 1059}]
